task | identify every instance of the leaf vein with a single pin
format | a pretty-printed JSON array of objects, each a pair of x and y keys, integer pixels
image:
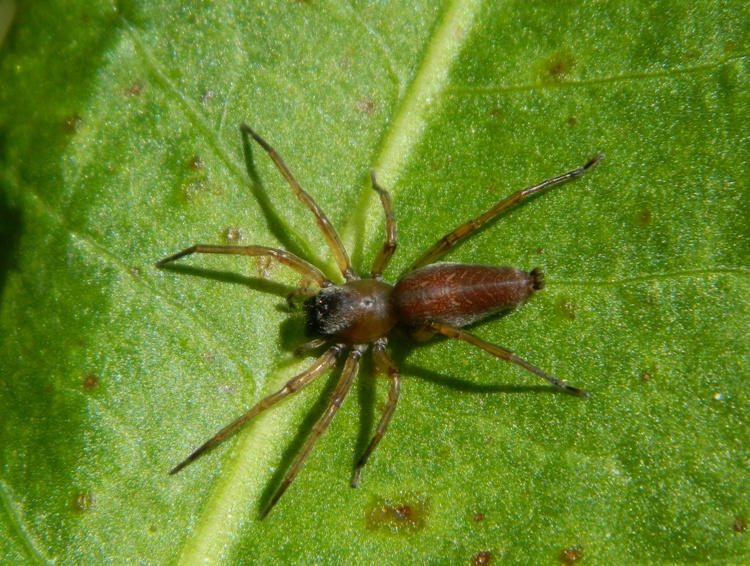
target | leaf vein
[
  {"x": 737, "y": 271},
  {"x": 627, "y": 77},
  {"x": 28, "y": 542}
]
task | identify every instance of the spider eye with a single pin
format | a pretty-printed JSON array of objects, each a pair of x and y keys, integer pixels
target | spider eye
[{"x": 321, "y": 312}]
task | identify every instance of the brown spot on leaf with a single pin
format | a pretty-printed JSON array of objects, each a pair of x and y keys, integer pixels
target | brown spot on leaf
[
  {"x": 482, "y": 558},
  {"x": 572, "y": 121},
  {"x": 477, "y": 517},
  {"x": 643, "y": 218},
  {"x": 565, "y": 307},
  {"x": 72, "y": 123},
  {"x": 135, "y": 89},
  {"x": 90, "y": 381},
  {"x": 556, "y": 67},
  {"x": 232, "y": 235},
  {"x": 739, "y": 525},
  {"x": 571, "y": 555},
  {"x": 196, "y": 162},
  {"x": 366, "y": 105},
  {"x": 82, "y": 501},
  {"x": 404, "y": 514},
  {"x": 647, "y": 375}
]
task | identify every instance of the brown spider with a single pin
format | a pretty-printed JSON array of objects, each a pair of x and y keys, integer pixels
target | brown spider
[{"x": 431, "y": 298}]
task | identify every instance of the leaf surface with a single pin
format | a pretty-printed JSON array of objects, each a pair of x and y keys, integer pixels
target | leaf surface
[{"x": 120, "y": 144}]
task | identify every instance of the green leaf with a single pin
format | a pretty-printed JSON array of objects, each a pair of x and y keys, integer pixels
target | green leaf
[{"x": 120, "y": 144}]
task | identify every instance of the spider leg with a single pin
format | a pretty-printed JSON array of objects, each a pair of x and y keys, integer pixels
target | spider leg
[
  {"x": 305, "y": 269},
  {"x": 502, "y": 353},
  {"x": 299, "y": 292},
  {"x": 389, "y": 246},
  {"x": 300, "y": 351},
  {"x": 342, "y": 389},
  {"x": 321, "y": 365},
  {"x": 329, "y": 232},
  {"x": 382, "y": 360},
  {"x": 450, "y": 240}
]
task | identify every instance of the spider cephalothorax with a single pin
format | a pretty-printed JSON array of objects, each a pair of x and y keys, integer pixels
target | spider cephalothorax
[
  {"x": 431, "y": 298},
  {"x": 361, "y": 310}
]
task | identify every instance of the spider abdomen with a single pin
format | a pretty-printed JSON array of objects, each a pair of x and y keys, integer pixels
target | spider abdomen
[{"x": 459, "y": 294}]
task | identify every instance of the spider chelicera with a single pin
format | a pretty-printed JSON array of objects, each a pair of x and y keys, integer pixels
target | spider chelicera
[{"x": 431, "y": 298}]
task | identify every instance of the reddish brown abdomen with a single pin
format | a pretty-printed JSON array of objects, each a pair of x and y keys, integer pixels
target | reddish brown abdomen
[{"x": 459, "y": 294}]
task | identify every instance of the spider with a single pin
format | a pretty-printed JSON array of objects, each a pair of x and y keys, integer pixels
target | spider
[{"x": 432, "y": 298}]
